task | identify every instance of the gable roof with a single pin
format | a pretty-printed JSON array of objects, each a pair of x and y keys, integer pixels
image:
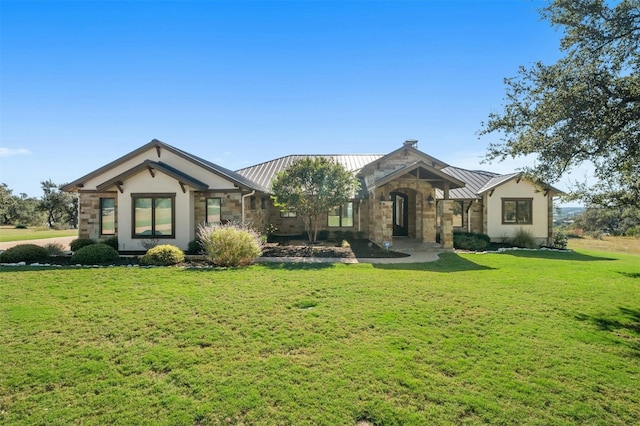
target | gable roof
[
  {"x": 407, "y": 149},
  {"x": 500, "y": 180},
  {"x": 181, "y": 177},
  {"x": 263, "y": 173},
  {"x": 420, "y": 167},
  {"x": 233, "y": 177}
]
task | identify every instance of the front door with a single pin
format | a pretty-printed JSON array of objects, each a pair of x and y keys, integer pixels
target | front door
[{"x": 400, "y": 213}]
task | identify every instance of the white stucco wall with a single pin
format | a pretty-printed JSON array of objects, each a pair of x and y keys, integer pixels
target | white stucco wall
[
  {"x": 161, "y": 183},
  {"x": 511, "y": 189},
  {"x": 214, "y": 181}
]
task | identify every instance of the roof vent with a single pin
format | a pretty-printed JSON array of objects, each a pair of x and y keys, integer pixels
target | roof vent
[{"x": 411, "y": 143}]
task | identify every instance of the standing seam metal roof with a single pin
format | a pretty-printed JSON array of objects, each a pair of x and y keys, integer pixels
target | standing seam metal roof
[{"x": 263, "y": 173}]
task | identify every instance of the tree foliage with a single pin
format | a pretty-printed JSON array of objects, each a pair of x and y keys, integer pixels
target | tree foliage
[
  {"x": 60, "y": 207},
  {"x": 312, "y": 186},
  {"x": 19, "y": 209},
  {"x": 613, "y": 220},
  {"x": 583, "y": 108}
]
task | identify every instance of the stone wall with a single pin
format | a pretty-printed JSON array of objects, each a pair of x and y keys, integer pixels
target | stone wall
[{"x": 89, "y": 214}]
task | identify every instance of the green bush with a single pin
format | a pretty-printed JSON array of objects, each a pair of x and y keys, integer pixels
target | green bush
[
  {"x": 560, "y": 240},
  {"x": 54, "y": 249},
  {"x": 112, "y": 242},
  {"x": 323, "y": 235},
  {"x": 194, "y": 247},
  {"x": 349, "y": 235},
  {"x": 230, "y": 244},
  {"x": 470, "y": 241},
  {"x": 163, "y": 255},
  {"x": 78, "y": 243},
  {"x": 524, "y": 239},
  {"x": 95, "y": 254},
  {"x": 24, "y": 253},
  {"x": 21, "y": 226}
]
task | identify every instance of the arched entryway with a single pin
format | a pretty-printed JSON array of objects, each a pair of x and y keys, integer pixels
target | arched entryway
[{"x": 400, "y": 214}]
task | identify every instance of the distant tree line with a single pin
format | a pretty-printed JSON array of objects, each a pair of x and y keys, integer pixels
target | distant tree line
[
  {"x": 55, "y": 208},
  {"x": 613, "y": 220}
]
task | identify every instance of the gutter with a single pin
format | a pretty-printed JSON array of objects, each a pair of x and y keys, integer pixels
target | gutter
[{"x": 243, "y": 198}]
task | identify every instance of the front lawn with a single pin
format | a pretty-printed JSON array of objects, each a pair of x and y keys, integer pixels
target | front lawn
[
  {"x": 10, "y": 233},
  {"x": 513, "y": 338}
]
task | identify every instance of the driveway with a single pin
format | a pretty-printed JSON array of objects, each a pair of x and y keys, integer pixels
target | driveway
[{"x": 63, "y": 241}]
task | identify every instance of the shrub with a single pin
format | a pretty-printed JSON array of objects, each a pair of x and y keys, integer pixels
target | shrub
[
  {"x": 323, "y": 235},
  {"x": 95, "y": 254},
  {"x": 24, "y": 253},
  {"x": 523, "y": 238},
  {"x": 194, "y": 247},
  {"x": 338, "y": 235},
  {"x": 470, "y": 241},
  {"x": 21, "y": 226},
  {"x": 560, "y": 240},
  {"x": 79, "y": 243},
  {"x": 54, "y": 249},
  {"x": 163, "y": 255},
  {"x": 349, "y": 235},
  {"x": 112, "y": 242},
  {"x": 230, "y": 244}
]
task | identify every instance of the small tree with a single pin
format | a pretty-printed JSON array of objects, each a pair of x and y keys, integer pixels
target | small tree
[{"x": 312, "y": 186}]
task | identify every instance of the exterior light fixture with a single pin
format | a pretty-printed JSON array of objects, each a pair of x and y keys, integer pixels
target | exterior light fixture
[{"x": 430, "y": 200}]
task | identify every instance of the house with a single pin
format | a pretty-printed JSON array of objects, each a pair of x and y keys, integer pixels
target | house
[{"x": 159, "y": 192}]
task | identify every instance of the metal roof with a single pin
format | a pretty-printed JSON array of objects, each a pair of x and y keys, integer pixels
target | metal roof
[
  {"x": 474, "y": 179},
  {"x": 263, "y": 173}
]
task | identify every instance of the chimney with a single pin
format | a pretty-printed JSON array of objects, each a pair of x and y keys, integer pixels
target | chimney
[{"x": 411, "y": 143}]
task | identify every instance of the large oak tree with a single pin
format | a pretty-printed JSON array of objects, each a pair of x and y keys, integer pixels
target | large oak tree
[{"x": 583, "y": 108}]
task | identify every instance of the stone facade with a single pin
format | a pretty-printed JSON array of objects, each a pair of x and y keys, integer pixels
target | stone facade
[{"x": 89, "y": 214}]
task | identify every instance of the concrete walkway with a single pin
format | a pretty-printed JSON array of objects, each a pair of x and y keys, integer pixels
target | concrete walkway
[{"x": 418, "y": 252}]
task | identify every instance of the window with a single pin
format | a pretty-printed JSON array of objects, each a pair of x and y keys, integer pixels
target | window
[
  {"x": 214, "y": 210},
  {"x": 341, "y": 216},
  {"x": 263, "y": 203},
  {"x": 107, "y": 216},
  {"x": 288, "y": 213},
  {"x": 153, "y": 216},
  {"x": 517, "y": 211},
  {"x": 458, "y": 212}
]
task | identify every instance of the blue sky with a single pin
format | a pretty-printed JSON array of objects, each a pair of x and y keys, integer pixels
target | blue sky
[{"x": 238, "y": 83}]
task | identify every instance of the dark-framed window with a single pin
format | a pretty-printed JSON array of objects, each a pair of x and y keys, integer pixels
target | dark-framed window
[
  {"x": 263, "y": 203},
  {"x": 517, "y": 211},
  {"x": 457, "y": 218},
  {"x": 213, "y": 210},
  {"x": 458, "y": 214},
  {"x": 153, "y": 215},
  {"x": 107, "y": 216},
  {"x": 341, "y": 216}
]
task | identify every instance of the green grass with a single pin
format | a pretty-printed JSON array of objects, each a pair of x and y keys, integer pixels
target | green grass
[
  {"x": 514, "y": 338},
  {"x": 8, "y": 234}
]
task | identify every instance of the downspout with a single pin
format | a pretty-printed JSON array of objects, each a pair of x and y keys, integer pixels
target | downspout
[
  {"x": 469, "y": 217},
  {"x": 359, "y": 208},
  {"x": 243, "y": 198}
]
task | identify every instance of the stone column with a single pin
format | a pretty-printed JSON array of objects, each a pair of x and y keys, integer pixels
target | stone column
[
  {"x": 429, "y": 213},
  {"x": 382, "y": 221},
  {"x": 446, "y": 225}
]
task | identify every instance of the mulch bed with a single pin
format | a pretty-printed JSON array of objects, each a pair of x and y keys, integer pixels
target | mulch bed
[
  {"x": 356, "y": 249},
  {"x": 294, "y": 248}
]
